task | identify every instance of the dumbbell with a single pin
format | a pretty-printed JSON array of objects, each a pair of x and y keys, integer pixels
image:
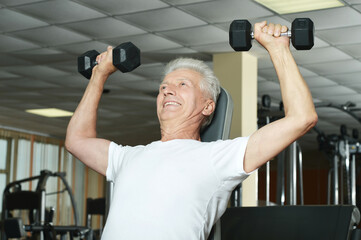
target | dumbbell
[
  {"x": 126, "y": 57},
  {"x": 301, "y": 34}
]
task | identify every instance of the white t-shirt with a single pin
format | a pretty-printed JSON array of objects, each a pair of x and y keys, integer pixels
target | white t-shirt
[{"x": 171, "y": 190}]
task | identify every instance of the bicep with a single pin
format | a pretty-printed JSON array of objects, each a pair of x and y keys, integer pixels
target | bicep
[
  {"x": 268, "y": 141},
  {"x": 93, "y": 152}
]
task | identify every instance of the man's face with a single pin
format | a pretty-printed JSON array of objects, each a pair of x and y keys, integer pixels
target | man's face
[{"x": 180, "y": 97}]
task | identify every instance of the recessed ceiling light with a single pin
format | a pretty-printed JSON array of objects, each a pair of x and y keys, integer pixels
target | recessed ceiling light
[
  {"x": 293, "y": 6},
  {"x": 50, "y": 112}
]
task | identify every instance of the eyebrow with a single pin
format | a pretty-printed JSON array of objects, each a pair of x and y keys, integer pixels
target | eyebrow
[{"x": 178, "y": 79}]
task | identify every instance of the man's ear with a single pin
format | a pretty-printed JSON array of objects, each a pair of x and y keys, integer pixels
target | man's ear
[{"x": 209, "y": 108}]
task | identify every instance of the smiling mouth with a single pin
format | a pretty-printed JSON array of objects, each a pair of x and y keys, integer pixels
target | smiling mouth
[{"x": 171, "y": 103}]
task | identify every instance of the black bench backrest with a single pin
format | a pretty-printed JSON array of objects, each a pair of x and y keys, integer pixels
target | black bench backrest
[{"x": 289, "y": 222}]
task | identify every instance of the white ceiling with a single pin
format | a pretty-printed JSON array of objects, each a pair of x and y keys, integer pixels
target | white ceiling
[{"x": 40, "y": 41}]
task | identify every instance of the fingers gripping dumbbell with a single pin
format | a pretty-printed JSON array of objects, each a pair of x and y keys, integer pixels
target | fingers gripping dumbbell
[
  {"x": 126, "y": 57},
  {"x": 301, "y": 34}
]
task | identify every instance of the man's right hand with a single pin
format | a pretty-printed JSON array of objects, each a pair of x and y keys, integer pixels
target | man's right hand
[{"x": 105, "y": 66}]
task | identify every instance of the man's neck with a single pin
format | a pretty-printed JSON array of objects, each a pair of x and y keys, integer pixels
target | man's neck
[{"x": 173, "y": 131}]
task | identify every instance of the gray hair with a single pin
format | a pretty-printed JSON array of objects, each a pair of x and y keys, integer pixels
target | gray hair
[{"x": 209, "y": 84}]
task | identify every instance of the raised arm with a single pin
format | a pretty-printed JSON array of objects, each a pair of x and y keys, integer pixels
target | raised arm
[
  {"x": 81, "y": 138},
  {"x": 300, "y": 114}
]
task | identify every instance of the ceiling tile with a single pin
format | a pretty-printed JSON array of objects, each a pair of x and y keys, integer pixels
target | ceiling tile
[
  {"x": 319, "y": 82},
  {"x": 77, "y": 83},
  {"x": 59, "y": 11},
  {"x": 164, "y": 56},
  {"x": 213, "y": 12},
  {"x": 116, "y": 80},
  {"x": 342, "y": 99},
  {"x": 358, "y": 7},
  {"x": 68, "y": 66},
  {"x": 330, "y": 18},
  {"x": 43, "y": 55},
  {"x": 104, "y": 28},
  {"x": 18, "y": 2},
  {"x": 306, "y": 72},
  {"x": 346, "y": 78},
  {"x": 198, "y": 35},
  {"x": 349, "y": 35},
  {"x": 18, "y": 21},
  {"x": 320, "y": 43},
  {"x": 37, "y": 72},
  {"x": 50, "y": 36},
  {"x": 146, "y": 86},
  {"x": 353, "y": 1},
  {"x": 214, "y": 48},
  {"x": 146, "y": 42},
  {"x": 10, "y": 44},
  {"x": 182, "y": 2},
  {"x": 353, "y": 50},
  {"x": 125, "y": 6},
  {"x": 151, "y": 71},
  {"x": 66, "y": 94},
  {"x": 355, "y": 86},
  {"x": 7, "y": 75},
  {"x": 80, "y": 48},
  {"x": 270, "y": 73},
  {"x": 335, "y": 67},
  {"x": 28, "y": 83},
  {"x": 163, "y": 19},
  {"x": 332, "y": 91},
  {"x": 21, "y": 94},
  {"x": 7, "y": 60},
  {"x": 121, "y": 80},
  {"x": 319, "y": 55},
  {"x": 181, "y": 50}
]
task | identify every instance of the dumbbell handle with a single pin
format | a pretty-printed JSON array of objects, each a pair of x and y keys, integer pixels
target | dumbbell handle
[{"x": 284, "y": 34}]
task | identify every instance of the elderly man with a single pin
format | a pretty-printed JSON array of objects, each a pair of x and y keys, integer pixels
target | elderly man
[{"x": 178, "y": 187}]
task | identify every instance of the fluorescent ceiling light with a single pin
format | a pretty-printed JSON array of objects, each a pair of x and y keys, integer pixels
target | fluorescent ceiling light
[
  {"x": 50, "y": 112},
  {"x": 293, "y": 6}
]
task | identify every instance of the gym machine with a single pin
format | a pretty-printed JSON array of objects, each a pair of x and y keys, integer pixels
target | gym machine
[
  {"x": 289, "y": 161},
  {"x": 40, "y": 219},
  {"x": 341, "y": 149}
]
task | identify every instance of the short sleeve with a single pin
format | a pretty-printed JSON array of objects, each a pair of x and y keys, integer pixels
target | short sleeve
[
  {"x": 115, "y": 158},
  {"x": 228, "y": 157}
]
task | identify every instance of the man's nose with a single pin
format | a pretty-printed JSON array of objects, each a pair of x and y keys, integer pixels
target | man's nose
[{"x": 169, "y": 90}]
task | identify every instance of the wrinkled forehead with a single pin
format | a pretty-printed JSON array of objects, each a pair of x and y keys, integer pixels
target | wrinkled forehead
[{"x": 180, "y": 74}]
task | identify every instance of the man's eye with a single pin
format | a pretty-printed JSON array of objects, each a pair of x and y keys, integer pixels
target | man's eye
[{"x": 183, "y": 84}]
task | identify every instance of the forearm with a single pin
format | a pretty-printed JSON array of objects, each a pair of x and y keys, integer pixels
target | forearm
[
  {"x": 296, "y": 96},
  {"x": 83, "y": 121}
]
